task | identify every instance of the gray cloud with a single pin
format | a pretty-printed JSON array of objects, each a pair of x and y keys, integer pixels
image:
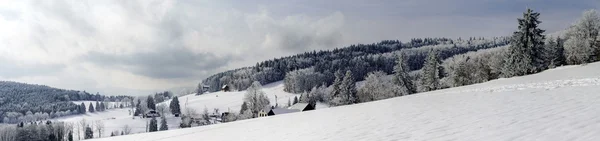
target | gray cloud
[
  {"x": 164, "y": 63},
  {"x": 12, "y": 69}
]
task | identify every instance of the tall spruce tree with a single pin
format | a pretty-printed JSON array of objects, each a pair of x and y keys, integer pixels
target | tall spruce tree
[
  {"x": 70, "y": 136},
  {"x": 82, "y": 108},
  {"x": 349, "y": 88},
  {"x": 91, "y": 108},
  {"x": 153, "y": 125},
  {"x": 174, "y": 106},
  {"x": 554, "y": 52},
  {"x": 525, "y": 53},
  {"x": 88, "y": 131},
  {"x": 430, "y": 74},
  {"x": 346, "y": 91},
  {"x": 336, "y": 84},
  {"x": 163, "y": 124},
  {"x": 401, "y": 78},
  {"x": 151, "y": 103},
  {"x": 98, "y": 106}
]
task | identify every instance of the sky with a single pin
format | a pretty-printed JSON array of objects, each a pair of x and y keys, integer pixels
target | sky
[{"x": 138, "y": 47}]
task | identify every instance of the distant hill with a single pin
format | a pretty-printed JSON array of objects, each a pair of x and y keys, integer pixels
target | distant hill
[
  {"x": 360, "y": 59},
  {"x": 21, "y": 98}
]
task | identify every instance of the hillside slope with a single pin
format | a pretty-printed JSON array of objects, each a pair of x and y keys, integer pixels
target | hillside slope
[
  {"x": 558, "y": 104},
  {"x": 115, "y": 119}
]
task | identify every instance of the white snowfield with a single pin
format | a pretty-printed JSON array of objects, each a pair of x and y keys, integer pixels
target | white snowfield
[
  {"x": 116, "y": 119},
  {"x": 559, "y": 105}
]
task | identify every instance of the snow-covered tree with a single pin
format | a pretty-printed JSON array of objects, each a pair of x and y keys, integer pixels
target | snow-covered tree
[
  {"x": 430, "y": 73},
  {"x": 98, "y": 106},
  {"x": 524, "y": 55},
  {"x": 554, "y": 52},
  {"x": 583, "y": 39},
  {"x": 70, "y": 136},
  {"x": 174, "y": 106},
  {"x": 377, "y": 86},
  {"x": 336, "y": 85},
  {"x": 150, "y": 103},
  {"x": 91, "y": 109},
  {"x": 255, "y": 98},
  {"x": 153, "y": 125},
  {"x": 401, "y": 78},
  {"x": 163, "y": 124},
  {"x": 347, "y": 91},
  {"x": 88, "y": 132},
  {"x": 99, "y": 127}
]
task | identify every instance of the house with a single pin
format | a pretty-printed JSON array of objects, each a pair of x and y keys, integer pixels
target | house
[
  {"x": 205, "y": 88},
  {"x": 151, "y": 113},
  {"x": 303, "y": 107},
  {"x": 279, "y": 111},
  {"x": 264, "y": 112},
  {"x": 225, "y": 88}
]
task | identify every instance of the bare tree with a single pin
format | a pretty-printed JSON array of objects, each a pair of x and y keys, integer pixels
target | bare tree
[
  {"x": 126, "y": 130},
  {"x": 8, "y": 133},
  {"x": 100, "y": 127},
  {"x": 82, "y": 124},
  {"x": 162, "y": 109}
]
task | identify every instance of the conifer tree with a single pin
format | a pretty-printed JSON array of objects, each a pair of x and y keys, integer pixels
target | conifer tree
[
  {"x": 401, "y": 78},
  {"x": 430, "y": 74},
  {"x": 91, "y": 108},
  {"x": 163, "y": 124},
  {"x": 174, "y": 106},
  {"x": 153, "y": 125},
  {"x": 524, "y": 55},
  {"x": 88, "y": 131}
]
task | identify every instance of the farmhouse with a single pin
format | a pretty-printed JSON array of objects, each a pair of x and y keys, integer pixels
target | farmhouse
[
  {"x": 302, "y": 107},
  {"x": 279, "y": 111},
  {"x": 225, "y": 88}
]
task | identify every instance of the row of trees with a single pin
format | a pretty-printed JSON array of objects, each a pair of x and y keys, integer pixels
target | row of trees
[
  {"x": 23, "y": 98},
  {"x": 43, "y": 131},
  {"x": 303, "y": 71}
]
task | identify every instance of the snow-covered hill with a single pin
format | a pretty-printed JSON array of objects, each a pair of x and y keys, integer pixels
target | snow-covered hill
[
  {"x": 558, "y": 104},
  {"x": 116, "y": 119},
  {"x": 232, "y": 101}
]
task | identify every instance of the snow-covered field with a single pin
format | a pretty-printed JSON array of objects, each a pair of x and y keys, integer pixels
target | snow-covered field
[
  {"x": 232, "y": 101},
  {"x": 558, "y": 104},
  {"x": 116, "y": 119}
]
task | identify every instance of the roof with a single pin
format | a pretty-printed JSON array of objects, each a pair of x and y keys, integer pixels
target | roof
[
  {"x": 224, "y": 86},
  {"x": 299, "y": 106},
  {"x": 279, "y": 111},
  {"x": 267, "y": 108}
]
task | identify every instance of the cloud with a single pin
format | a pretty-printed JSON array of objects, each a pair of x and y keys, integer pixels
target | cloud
[
  {"x": 119, "y": 47},
  {"x": 14, "y": 69},
  {"x": 163, "y": 63}
]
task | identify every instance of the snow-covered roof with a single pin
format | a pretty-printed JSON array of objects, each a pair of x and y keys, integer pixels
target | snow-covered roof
[
  {"x": 267, "y": 109},
  {"x": 223, "y": 86},
  {"x": 279, "y": 111},
  {"x": 299, "y": 106}
]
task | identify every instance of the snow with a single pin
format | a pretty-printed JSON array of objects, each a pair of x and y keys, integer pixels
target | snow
[
  {"x": 559, "y": 104},
  {"x": 232, "y": 101},
  {"x": 115, "y": 119}
]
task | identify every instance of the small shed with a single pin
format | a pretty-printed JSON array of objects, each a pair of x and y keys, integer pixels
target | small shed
[
  {"x": 225, "y": 88},
  {"x": 302, "y": 107},
  {"x": 279, "y": 111}
]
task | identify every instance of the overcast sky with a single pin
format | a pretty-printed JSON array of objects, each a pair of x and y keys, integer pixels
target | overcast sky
[{"x": 141, "y": 46}]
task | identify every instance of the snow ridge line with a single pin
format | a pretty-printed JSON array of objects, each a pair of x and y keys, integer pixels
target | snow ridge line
[{"x": 540, "y": 85}]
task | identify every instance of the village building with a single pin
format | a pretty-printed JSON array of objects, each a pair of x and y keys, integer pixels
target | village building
[
  {"x": 264, "y": 112},
  {"x": 302, "y": 107},
  {"x": 279, "y": 111},
  {"x": 225, "y": 88}
]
